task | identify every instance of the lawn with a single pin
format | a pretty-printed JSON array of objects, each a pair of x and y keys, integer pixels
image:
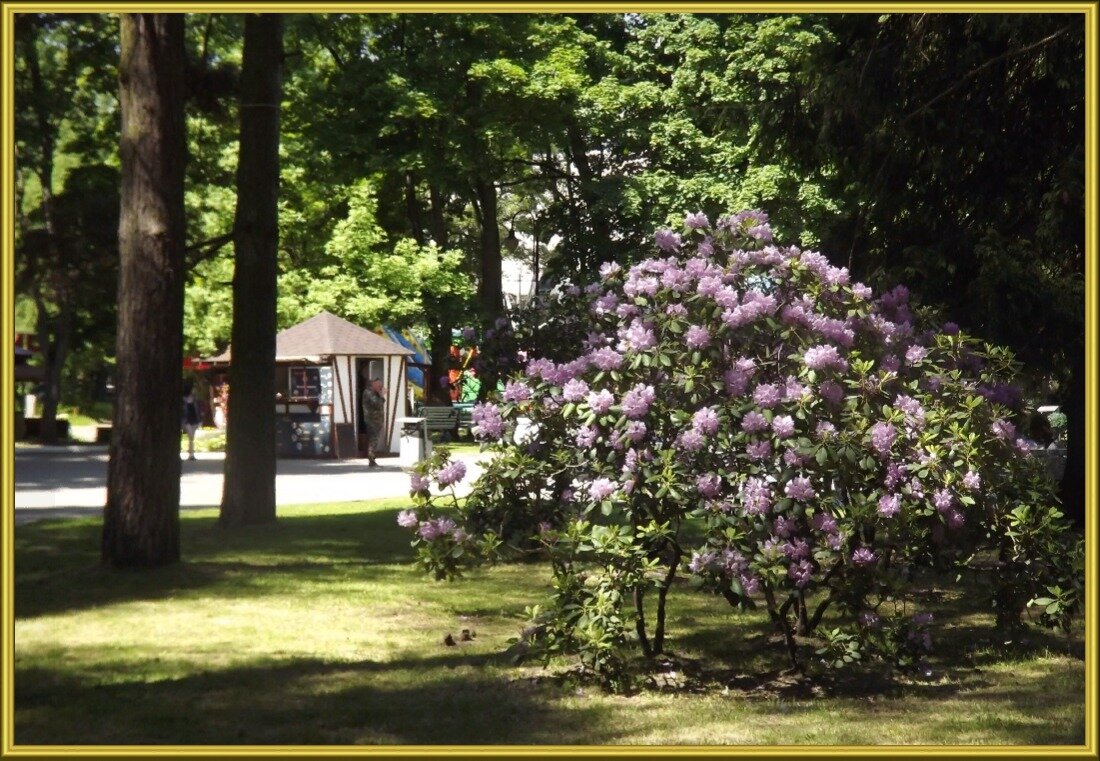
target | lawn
[{"x": 318, "y": 630}]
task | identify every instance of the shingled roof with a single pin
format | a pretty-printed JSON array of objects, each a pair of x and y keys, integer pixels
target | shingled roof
[{"x": 326, "y": 334}]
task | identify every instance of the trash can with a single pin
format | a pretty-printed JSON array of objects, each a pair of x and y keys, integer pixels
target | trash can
[{"x": 415, "y": 444}]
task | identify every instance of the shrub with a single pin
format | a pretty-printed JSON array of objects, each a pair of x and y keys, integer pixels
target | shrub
[{"x": 825, "y": 445}]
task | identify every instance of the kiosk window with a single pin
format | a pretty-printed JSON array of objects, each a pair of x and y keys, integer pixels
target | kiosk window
[{"x": 305, "y": 382}]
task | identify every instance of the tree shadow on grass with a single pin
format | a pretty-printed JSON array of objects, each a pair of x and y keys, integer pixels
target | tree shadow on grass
[
  {"x": 58, "y": 569},
  {"x": 441, "y": 700}
]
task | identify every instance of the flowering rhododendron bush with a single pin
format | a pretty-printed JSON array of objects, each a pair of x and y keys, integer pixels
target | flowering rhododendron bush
[{"x": 743, "y": 415}]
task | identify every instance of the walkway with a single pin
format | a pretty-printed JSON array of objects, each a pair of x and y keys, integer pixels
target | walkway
[{"x": 71, "y": 481}]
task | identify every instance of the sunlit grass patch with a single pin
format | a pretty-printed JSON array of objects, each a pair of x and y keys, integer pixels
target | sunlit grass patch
[{"x": 319, "y": 629}]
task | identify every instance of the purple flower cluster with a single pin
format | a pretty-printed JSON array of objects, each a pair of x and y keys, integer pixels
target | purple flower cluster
[
  {"x": 801, "y": 573},
  {"x": 668, "y": 240},
  {"x": 697, "y": 337},
  {"x": 601, "y": 489},
  {"x": 637, "y": 400},
  {"x": 586, "y": 437},
  {"x": 753, "y": 421},
  {"x": 516, "y": 391},
  {"x": 756, "y": 496},
  {"x": 705, "y": 421},
  {"x": 767, "y": 395},
  {"x": 697, "y": 221},
  {"x": 783, "y": 426},
  {"x": 690, "y": 440},
  {"x": 759, "y": 450},
  {"x": 882, "y": 437},
  {"x": 451, "y": 473},
  {"x": 487, "y": 421},
  {"x": 889, "y": 505},
  {"x": 606, "y": 359},
  {"x": 436, "y": 527},
  {"x": 600, "y": 401},
  {"x": 824, "y": 357},
  {"x": 800, "y": 488},
  {"x": 708, "y": 485}
]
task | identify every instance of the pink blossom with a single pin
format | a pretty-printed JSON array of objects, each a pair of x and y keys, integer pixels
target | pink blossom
[
  {"x": 708, "y": 485},
  {"x": 574, "y": 390},
  {"x": 516, "y": 391},
  {"x": 636, "y": 401},
  {"x": 407, "y": 519},
  {"x": 451, "y": 473},
  {"x": 783, "y": 426},
  {"x": 824, "y": 357},
  {"x": 799, "y": 488},
  {"x": 606, "y": 359},
  {"x": 756, "y": 496},
  {"x": 760, "y": 450},
  {"x": 601, "y": 489},
  {"x": 600, "y": 401},
  {"x": 882, "y": 437},
  {"x": 753, "y": 421},
  {"x": 889, "y": 505},
  {"x": 705, "y": 421},
  {"x": 690, "y": 440},
  {"x": 767, "y": 395}
]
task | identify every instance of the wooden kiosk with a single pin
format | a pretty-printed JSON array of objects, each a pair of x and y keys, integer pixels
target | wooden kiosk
[{"x": 322, "y": 367}]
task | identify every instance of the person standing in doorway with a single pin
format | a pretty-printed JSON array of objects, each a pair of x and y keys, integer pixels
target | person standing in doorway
[
  {"x": 373, "y": 409},
  {"x": 190, "y": 417}
]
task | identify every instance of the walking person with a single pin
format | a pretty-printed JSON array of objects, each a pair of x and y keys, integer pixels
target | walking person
[
  {"x": 190, "y": 417},
  {"x": 373, "y": 410}
]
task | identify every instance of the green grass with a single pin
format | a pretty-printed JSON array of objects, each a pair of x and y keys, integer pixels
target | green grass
[{"x": 318, "y": 630}]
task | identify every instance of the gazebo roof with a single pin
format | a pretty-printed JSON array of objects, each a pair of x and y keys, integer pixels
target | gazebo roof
[{"x": 326, "y": 334}]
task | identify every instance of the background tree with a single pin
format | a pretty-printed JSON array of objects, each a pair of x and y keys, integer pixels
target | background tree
[
  {"x": 66, "y": 117},
  {"x": 141, "y": 519},
  {"x": 249, "y": 491}
]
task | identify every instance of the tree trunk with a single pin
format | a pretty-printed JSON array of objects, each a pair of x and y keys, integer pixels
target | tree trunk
[
  {"x": 141, "y": 519},
  {"x": 249, "y": 491},
  {"x": 440, "y": 339},
  {"x": 55, "y": 337},
  {"x": 55, "y": 341},
  {"x": 601, "y": 227},
  {"x": 412, "y": 209},
  {"x": 489, "y": 288},
  {"x": 438, "y": 218},
  {"x": 1073, "y": 479}
]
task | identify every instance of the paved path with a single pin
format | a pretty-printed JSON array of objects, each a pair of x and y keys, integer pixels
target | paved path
[{"x": 71, "y": 481}]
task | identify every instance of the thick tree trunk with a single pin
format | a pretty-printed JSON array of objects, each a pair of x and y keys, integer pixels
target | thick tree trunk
[
  {"x": 141, "y": 519},
  {"x": 489, "y": 289},
  {"x": 249, "y": 491},
  {"x": 490, "y": 292}
]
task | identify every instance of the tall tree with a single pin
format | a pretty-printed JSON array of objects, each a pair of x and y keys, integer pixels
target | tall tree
[
  {"x": 141, "y": 519},
  {"x": 64, "y": 116},
  {"x": 249, "y": 492}
]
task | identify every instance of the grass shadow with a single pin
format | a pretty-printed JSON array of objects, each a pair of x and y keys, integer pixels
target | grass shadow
[
  {"x": 58, "y": 568},
  {"x": 446, "y": 700}
]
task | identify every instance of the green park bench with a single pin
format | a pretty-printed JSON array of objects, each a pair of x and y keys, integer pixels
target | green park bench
[{"x": 443, "y": 418}]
